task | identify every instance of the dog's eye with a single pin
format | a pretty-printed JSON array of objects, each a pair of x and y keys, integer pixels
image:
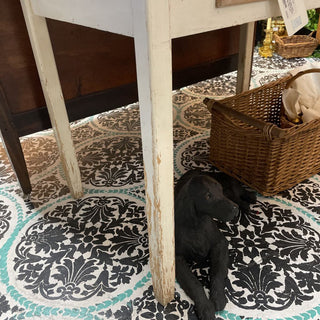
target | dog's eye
[{"x": 208, "y": 196}]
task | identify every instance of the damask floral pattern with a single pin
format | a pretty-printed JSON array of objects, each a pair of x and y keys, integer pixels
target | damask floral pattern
[
  {"x": 5, "y": 217},
  {"x": 121, "y": 120},
  {"x": 59, "y": 256},
  {"x": 6, "y": 173},
  {"x": 37, "y": 157},
  {"x": 112, "y": 162},
  {"x": 62, "y": 258},
  {"x": 274, "y": 252}
]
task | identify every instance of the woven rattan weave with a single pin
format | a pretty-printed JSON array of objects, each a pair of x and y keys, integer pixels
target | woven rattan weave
[
  {"x": 249, "y": 144},
  {"x": 295, "y": 46}
]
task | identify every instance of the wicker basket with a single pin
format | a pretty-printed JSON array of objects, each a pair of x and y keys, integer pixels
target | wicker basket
[
  {"x": 295, "y": 46},
  {"x": 247, "y": 143}
]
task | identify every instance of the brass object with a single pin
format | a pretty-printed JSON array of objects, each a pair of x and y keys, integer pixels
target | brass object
[
  {"x": 279, "y": 27},
  {"x": 274, "y": 26},
  {"x": 297, "y": 120},
  {"x": 266, "y": 49}
]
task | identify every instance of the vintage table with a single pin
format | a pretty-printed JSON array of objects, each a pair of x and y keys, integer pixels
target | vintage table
[{"x": 152, "y": 23}]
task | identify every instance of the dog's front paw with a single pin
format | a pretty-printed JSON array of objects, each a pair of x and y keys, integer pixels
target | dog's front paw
[
  {"x": 206, "y": 310},
  {"x": 219, "y": 300},
  {"x": 249, "y": 196}
]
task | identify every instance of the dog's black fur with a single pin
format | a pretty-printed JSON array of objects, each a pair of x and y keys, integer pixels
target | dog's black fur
[{"x": 199, "y": 197}]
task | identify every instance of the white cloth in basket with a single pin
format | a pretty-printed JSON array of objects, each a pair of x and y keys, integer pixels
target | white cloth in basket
[{"x": 302, "y": 98}]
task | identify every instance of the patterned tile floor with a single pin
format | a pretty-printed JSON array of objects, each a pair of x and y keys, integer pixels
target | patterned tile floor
[{"x": 62, "y": 258}]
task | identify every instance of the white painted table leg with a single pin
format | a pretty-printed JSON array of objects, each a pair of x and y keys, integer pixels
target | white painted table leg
[
  {"x": 247, "y": 32},
  {"x": 42, "y": 50},
  {"x": 154, "y": 73}
]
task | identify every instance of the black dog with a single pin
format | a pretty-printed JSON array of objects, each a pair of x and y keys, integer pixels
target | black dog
[{"x": 199, "y": 198}]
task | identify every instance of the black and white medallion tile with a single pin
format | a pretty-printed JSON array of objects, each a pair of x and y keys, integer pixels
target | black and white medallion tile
[{"x": 62, "y": 258}]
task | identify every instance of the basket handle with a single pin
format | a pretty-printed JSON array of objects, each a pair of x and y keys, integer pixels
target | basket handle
[
  {"x": 301, "y": 73},
  {"x": 269, "y": 130}
]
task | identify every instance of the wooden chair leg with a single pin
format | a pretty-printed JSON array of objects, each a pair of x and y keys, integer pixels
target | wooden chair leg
[
  {"x": 247, "y": 33},
  {"x": 43, "y": 54},
  {"x": 12, "y": 144},
  {"x": 154, "y": 75}
]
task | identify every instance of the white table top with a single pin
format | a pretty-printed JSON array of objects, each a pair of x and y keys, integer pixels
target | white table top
[{"x": 116, "y": 15}]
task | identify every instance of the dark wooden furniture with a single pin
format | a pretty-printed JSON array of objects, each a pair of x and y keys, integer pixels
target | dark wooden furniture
[{"x": 10, "y": 137}]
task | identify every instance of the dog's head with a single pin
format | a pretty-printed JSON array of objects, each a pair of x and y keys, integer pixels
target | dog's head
[{"x": 206, "y": 196}]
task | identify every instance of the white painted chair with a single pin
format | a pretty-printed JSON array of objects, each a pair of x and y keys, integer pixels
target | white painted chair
[{"x": 152, "y": 23}]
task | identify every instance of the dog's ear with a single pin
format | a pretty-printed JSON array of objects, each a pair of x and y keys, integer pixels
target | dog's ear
[
  {"x": 195, "y": 184},
  {"x": 182, "y": 193},
  {"x": 184, "y": 205}
]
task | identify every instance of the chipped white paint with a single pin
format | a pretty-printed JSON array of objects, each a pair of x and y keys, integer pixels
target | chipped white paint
[
  {"x": 153, "y": 59},
  {"x": 153, "y": 23},
  {"x": 42, "y": 50}
]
